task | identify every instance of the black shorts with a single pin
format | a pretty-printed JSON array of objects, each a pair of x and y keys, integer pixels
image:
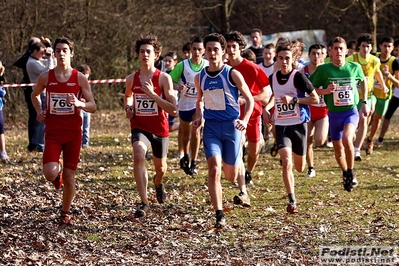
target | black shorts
[
  {"x": 293, "y": 137},
  {"x": 392, "y": 106},
  {"x": 159, "y": 144}
]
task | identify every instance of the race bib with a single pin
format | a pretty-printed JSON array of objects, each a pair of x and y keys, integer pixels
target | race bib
[
  {"x": 286, "y": 110},
  {"x": 145, "y": 106},
  {"x": 190, "y": 91},
  {"x": 343, "y": 96},
  {"x": 59, "y": 106},
  {"x": 214, "y": 99}
]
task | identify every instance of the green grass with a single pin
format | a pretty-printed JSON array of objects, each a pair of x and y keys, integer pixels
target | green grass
[{"x": 181, "y": 230}]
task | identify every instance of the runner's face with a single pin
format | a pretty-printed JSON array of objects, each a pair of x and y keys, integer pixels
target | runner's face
[
  {"x": 233, "y": 50},
  {"x": 187, "y": 54},
  {"x": 169, "y": 63},
  {"x": 63, "y": 54},
  {"x": 197, "y": 50},
  {"x": 315, "y": 56},
  {"x": 396, "y": 51},
  {"x": 214, "y": 52},
  {"x": 386, "y": 48},
  {"x": 284, "y": 61},
  {"x": 338, "y": 52},
  {"x": 365, "y": 49},
  {"x": 269, "y": 54},
  {"x": 147, "y": 54}
]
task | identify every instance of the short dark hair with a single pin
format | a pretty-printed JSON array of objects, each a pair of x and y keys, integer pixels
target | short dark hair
[
  {"x": 255, "y": 30},
  {"x": 387, "y": 39},
  {"x": 236, "y": 36},
  {"x": 270, "y": 46},
  {"x": 171, "y": 54},
  {"x": 84, "y": 68},
  {"x": 249, "y": 54},
  {"x": 396, "y": 43},
  {"x": 215, "y": 37},
  {"x": 66, "y": 41},
  {"x": 337, "y": 39},
  {"x": 365, "y": 37},
  {"x": 186, "y": 47},
  {"x": 315, "y": 46},
  {"x": 150, "y": 39},
  {"x": 35, "y": 46},
  {"x": 197, "y": 39},
  {"x": 352, "y": 44}
]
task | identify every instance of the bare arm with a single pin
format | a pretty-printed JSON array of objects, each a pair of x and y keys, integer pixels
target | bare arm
[
  {"x": 165, "y": 82},
  {"x": 89, "y": 104},
  {"x": 262, "y": 96},
  {"x": 35, "y": 96},
  {"x": 246, "y": 94},
  {"x": 393, "y": 78},
  {"x": 199, "y": 104},
  {"x": 380, "y": 78},
  {"x": 128, "y": 98}
]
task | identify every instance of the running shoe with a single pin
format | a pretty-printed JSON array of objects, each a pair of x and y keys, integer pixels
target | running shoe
[
  {"x": 67, "y": 218},
  {"x": 348, "y": 182},
  {"x": 160, "y": 192},
  {"x": 242, "y": 199},
  {"x": 193, "y": 168},
  {"x": 4, "y": 157},
  {"x": 292, "y": 208},
  {"x": 185, "y": 164},
  {"x": 329, "y": 144},
  {"x": 248, "y": 178},
  {"x": 311, "y": 173},
  {"x": 220, "y": 221},
  {"x": 358, "y": 157},
  {"x": 141, "y": 210}
]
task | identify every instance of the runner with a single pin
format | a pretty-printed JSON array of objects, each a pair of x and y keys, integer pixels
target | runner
[
  {"x": 218, "y": 88},
  {"x": 371, "y": 68},
  {"x": 258, "y": 84},
  {"x": 63, "y": 132},
  {"x": 393, "y": 103},
  {"x": 339, "y": 80},
  {"x": 291, "y": 114},
  {"x": 148, "y": 100},
  {"x": 318, "y": 124},
  {"x": 183, "y": 77},
  {"x": 390, "y": 68}
]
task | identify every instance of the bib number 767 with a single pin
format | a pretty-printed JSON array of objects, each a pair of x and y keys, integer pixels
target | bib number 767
[{"x": 141, "y": 103}]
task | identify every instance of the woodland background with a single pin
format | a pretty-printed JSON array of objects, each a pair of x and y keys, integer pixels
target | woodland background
[{"x": 104, "y": 31}]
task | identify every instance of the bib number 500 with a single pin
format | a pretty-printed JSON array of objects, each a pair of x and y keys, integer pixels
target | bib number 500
[{"x": 285, "y": 107}]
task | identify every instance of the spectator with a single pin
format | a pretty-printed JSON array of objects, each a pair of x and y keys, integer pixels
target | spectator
[
  {"x": 40, "y": 60},
  {"x": 3, "y": 154},
  {"x": 86, "y": 116}
]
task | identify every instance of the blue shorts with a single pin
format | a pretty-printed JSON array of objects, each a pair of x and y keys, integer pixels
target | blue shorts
[
  {"x": 1, "y": 122},
  {"x": 171, "y": 120},
  {"x": 338, "y": 120},
  {"x": 187, "y": 116},
  {"x": 222, "y": 139}
]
